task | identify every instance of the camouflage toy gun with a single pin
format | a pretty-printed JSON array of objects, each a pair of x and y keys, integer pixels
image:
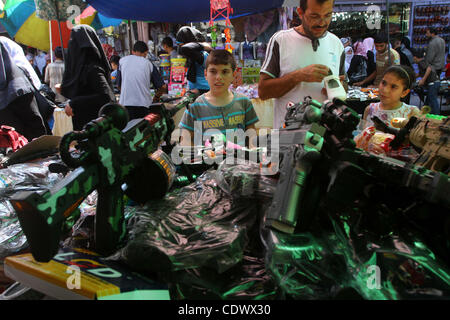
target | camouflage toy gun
[
  {"x": 114, "y": 158},
  {"x": 431, "y": 134}
]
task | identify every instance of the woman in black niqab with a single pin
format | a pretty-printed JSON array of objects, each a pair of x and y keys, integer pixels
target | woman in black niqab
[{"x": 87, "y": 77}]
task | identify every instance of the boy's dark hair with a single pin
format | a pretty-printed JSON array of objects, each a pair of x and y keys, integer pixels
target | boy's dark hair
[
  {"x": 59, "y": 52},
  {"x": 418, "y": 53},
  {"x": 167, "y": 41},
  {"x": 380, "y": 38},
  {"x": 140, "y": 46},
  {"x": 406, "y": 42},
  {"x": 221, "y": 56},
  {"x": 405, "y": 73},
  {"x": 114, "y": 59},
  {"x": 304, "y": 3},
  {"x": 432, "y": 30}
]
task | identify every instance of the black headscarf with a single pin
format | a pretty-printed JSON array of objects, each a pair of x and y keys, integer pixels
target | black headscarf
[
  {"x": 84, "y": 50},
  {"x": 190, "y": 38},
  {"x": 13, "y": 81},
  {"x": 188, "y": 34}
]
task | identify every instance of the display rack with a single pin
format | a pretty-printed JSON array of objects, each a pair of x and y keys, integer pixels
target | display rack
[{"x": 435, "y": 15}]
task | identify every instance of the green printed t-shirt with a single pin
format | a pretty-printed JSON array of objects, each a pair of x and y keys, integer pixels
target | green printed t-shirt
[{"x": 238, "y": 114}]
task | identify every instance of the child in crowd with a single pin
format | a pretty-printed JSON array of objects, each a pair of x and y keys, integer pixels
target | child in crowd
[
  {"x": 219, "y": 108},
  {"x": 395, "y": 85},
  {"x": 114, "y": 61}
]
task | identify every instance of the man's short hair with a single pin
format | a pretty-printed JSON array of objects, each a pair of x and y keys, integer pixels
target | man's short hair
[
  {"x": 140, "y": 46},
  {"x": 59, "y": 52},
  {"x": 220, "y": 56},
  {"x": 304, "y": 3},
  {"x": 432, "y": 30},
  {"x": 380, "y": 38},
  {"x": 167, "y": 41}
]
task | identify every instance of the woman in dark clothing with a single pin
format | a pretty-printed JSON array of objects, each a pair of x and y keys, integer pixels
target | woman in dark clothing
[
  {"x": 193, "y": 47},
  {"x": 359, "y": 66},
  {"x": 18, "y": 107},
  {"x": 87, "y": 77}
]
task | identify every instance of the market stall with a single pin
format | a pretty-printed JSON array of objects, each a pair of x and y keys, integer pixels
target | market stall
[{"x": 308, "y": 215}]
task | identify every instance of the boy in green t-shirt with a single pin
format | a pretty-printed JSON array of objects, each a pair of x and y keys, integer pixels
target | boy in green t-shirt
[{"x": 219, "y": 108}]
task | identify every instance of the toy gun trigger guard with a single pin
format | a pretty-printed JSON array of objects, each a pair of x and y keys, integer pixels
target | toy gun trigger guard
[{"x": 110, "y": 115}]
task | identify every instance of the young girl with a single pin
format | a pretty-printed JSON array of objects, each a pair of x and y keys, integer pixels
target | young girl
[{"x": 394, "y": 86}]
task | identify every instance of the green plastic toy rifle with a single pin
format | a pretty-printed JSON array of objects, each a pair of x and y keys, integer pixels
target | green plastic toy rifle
[{"x": 114, "y": 159}]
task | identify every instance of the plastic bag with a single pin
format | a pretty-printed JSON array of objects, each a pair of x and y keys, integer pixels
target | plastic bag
[
  {"x": 28, "y": 176},
  {"x": 378, "y": 142},
  {"x": 195, "y": 226},
  {"x": 392, "y": 266},
  {"x": 245, "y": 181},
  {"x": 20, "y": 177},
  {"x": 12, "y": 238}
]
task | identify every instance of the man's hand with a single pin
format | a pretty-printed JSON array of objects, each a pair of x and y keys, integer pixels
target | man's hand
[
  {"x": 358, "y": 84},
  {"x": 68, "y": 110},
  {"x": 421, "y": 83},
  {"x": 312, "y": 73}
]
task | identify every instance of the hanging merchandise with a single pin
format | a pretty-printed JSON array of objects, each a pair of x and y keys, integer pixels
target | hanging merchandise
[
  {"x": 214, "y": 30},
  {"x": 228, "y": 45},
  {"x": 177, "y": 76},
  {"x": 221, "y": 8},
  {"x": 430, "y": 16},
  {"x": 164, "y": 66}
]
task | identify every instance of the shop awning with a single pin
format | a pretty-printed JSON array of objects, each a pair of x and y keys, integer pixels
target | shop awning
[{"x": 176, "y": 11}]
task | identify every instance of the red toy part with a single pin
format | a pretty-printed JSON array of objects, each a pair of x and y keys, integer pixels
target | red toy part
[
  {"x": 220, "y": 8},
  {"x": 11, "y": 139}
]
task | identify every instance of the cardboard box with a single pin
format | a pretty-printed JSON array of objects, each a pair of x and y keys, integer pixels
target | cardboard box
[{"x": 78, "y": 274}]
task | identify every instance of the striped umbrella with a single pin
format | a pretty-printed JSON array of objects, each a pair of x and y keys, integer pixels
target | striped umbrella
[
  {"x": 92, "y": 17},
  {"x": 21, "y": 22}
]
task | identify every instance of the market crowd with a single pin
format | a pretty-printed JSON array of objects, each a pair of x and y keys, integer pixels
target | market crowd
[{"x": 84, "y": 77}]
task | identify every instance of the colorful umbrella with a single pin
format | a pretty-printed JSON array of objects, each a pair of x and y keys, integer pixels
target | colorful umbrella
[
  {"x": 19, "y": 17},
  {"x": 20, "y": 21},
  {"x": 92, "y": 17}
]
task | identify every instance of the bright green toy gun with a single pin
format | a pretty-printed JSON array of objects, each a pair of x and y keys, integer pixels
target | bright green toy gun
[{"x": 115, "y": 158}]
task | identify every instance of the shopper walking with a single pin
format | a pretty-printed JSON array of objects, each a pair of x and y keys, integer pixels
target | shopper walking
[
  {"x": 298, "y": 59},
  {"x": 137, "y": 74},
  {"x": 54, "y": 74},
  {"x": 435, "y": 53},
  {"x": 87, "y": 77}
]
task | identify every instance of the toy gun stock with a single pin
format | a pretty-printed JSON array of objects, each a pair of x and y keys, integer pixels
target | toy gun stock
[{"x": 114, "y": 159}]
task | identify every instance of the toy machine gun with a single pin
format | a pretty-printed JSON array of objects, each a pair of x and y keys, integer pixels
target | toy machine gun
[
  {"x": 320, "y": 164},
  {"x": 431, "y": 134},
  {"x": 116, "y": 157}
]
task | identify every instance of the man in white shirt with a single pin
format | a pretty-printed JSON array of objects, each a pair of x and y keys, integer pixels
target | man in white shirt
[
  {"x": 40, "y": 61},
  {"x": 137, "y": 74},
  {"x": 298, "y": 59},
  {"x": 54, "y": 74}
]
